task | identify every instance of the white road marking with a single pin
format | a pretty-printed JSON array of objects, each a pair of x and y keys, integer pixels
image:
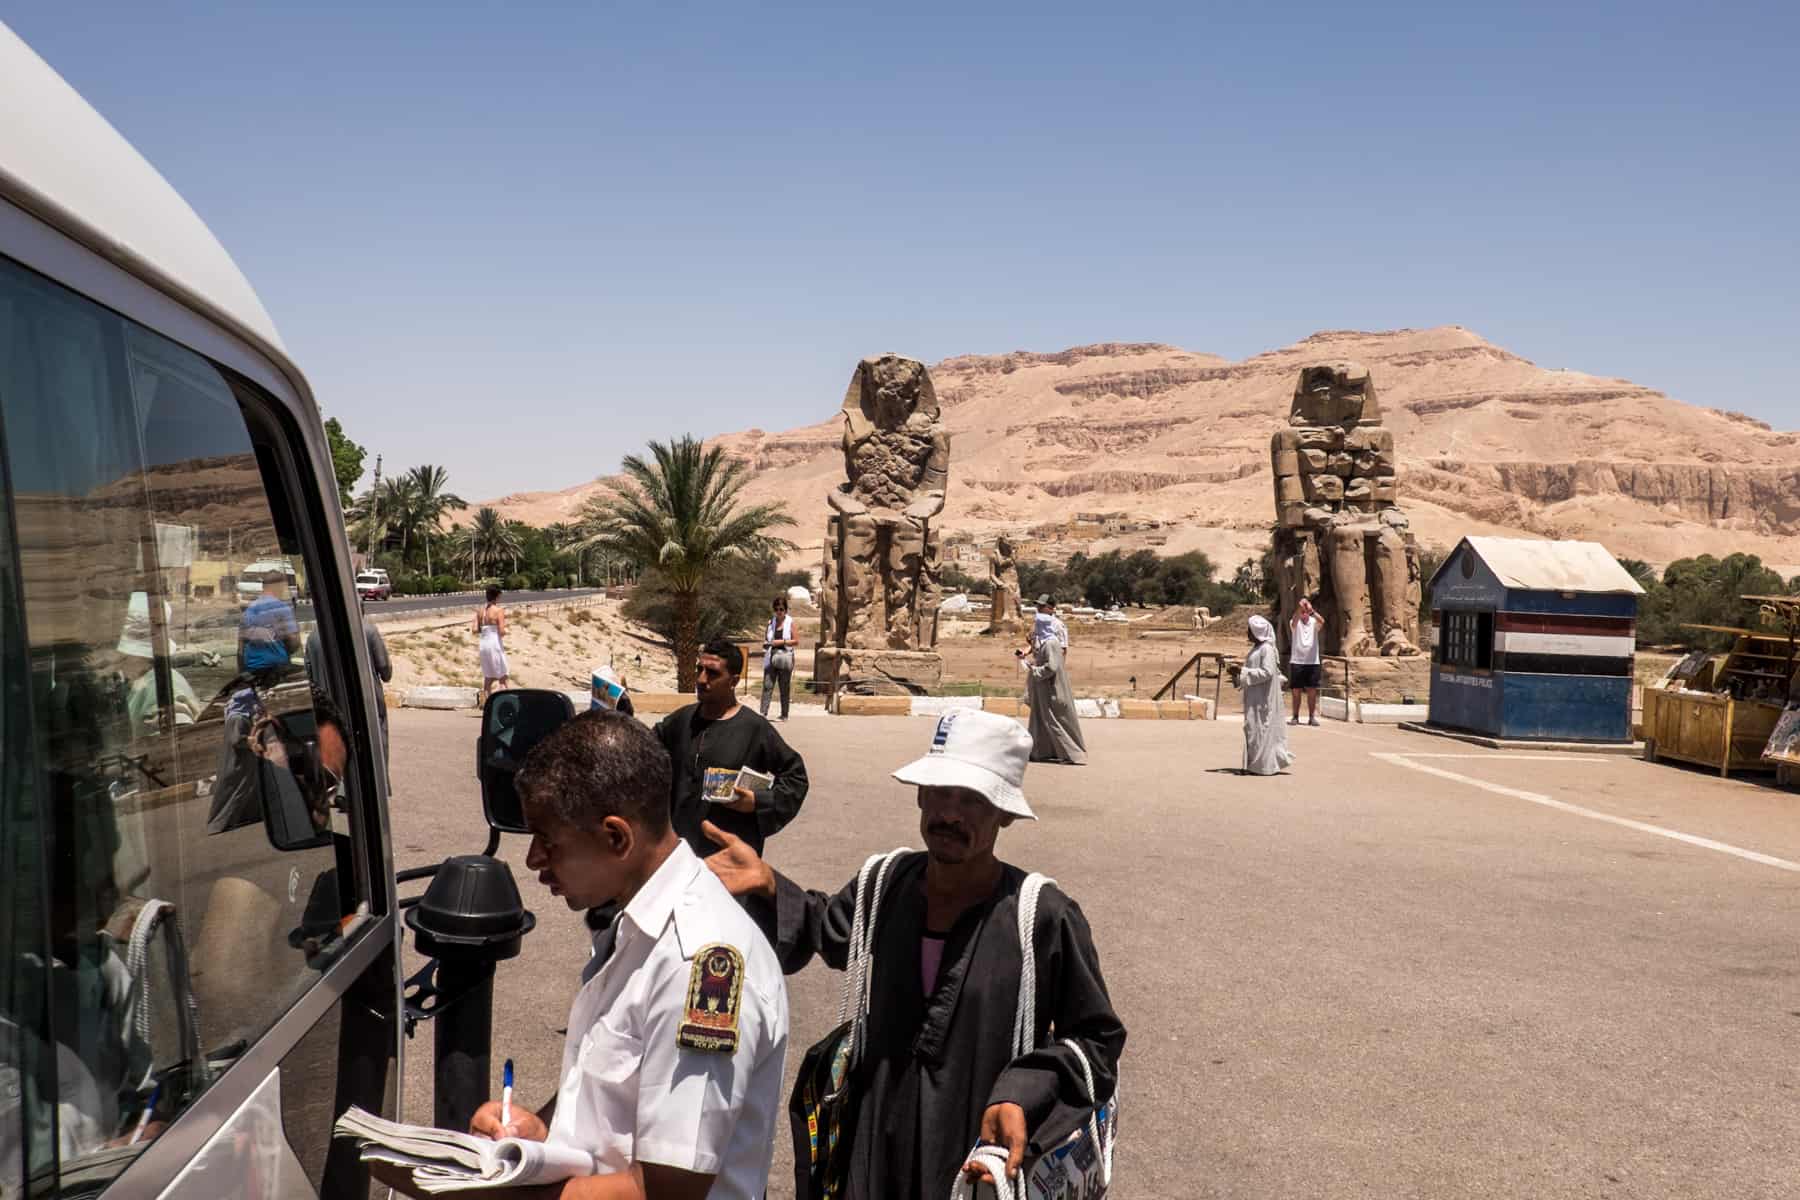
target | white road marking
[
  {"x": 1767, "y": 860},
  {"x": 1586, "y": 760}
]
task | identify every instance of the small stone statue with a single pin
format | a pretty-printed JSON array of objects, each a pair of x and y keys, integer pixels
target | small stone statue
[
  {"x": 1003, "y": 578},
  {"x": 1341, "y": 535}
]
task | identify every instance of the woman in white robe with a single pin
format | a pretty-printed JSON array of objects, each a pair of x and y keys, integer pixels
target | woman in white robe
[{"x": 1259, "y": 679}]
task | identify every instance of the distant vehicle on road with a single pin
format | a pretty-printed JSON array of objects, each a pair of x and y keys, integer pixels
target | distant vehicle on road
[
  {"x": 374, "y": 585},
  {"x": 250, "y": 579}
]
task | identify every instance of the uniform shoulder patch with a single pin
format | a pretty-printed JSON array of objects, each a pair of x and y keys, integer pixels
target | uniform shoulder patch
[{"x": 715, "y": 987}]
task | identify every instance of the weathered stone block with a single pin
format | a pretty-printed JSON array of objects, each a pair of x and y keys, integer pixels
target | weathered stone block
[
  {"x": 1364, "y": 464},
  {"x": 1370, "y": 438},
  {"x": 1358, "y": 489},
  {"x": 1385, "y": 491},
  {"x": 1290, "y": 514},
  {"x": 1284, "y": 439},
  {"x": 1285, "y": 462},
  {"x": 1339, "y": 393},
  {"x": 1314, "y": 461},
  {"x": 874, "y": 706},
  {"x": 898, "y": 672},
  {"x": 1324, "y": 487},
  {"x": 1182, "y": 710},
  {"x": 1139, "y": 710},
  {"x": 1317, "y": 438},
  {"x": 1006, "y": 706},
  {"x": 1340, "y": 463},
  {"x": 1288, "y": 487}
]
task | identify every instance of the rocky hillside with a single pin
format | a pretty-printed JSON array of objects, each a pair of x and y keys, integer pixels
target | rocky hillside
[{"x": 1488, "y": 442}]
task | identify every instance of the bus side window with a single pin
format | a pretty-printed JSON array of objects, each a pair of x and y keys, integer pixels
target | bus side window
[
  {"x": 25, "y": 1113},
  {"x": 192, "y": 782}
]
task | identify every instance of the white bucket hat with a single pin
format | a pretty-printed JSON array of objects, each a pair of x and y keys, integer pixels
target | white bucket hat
[
  {"x": 134, "y": 638},
  {"x": 982, "y": 751}
]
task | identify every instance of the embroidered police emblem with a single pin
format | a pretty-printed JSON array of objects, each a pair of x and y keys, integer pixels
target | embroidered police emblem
[{"x": 715, "y": 986}]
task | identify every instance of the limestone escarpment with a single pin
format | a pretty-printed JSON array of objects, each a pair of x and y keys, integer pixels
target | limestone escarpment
[{"x": 1486, "y": 441}]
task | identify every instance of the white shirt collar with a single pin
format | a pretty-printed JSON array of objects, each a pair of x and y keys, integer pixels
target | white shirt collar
[{"x": 649, "y": 911}]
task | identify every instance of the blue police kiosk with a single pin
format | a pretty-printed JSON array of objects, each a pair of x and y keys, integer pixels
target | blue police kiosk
[{"x": 1533, "y": 640}]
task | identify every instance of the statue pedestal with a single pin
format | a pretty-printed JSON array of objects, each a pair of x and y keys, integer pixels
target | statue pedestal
[{"x": 878, "y": 672}]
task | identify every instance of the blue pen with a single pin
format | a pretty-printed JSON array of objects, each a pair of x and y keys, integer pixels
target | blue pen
[
  {"x": 144, "y": 1117},
  {"x": 506, "y": 1094}
]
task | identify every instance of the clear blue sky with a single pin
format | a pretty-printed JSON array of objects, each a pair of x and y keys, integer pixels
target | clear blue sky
[{"x": 521, "y": 240}]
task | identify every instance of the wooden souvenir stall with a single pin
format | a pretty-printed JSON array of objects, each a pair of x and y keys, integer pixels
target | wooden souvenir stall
[{"x": 1720, "y": 712}]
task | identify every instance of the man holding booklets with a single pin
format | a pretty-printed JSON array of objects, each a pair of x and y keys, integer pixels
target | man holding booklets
[
  {"x": 719, "y": 733},
  {"x": 672, "y": 1064}
]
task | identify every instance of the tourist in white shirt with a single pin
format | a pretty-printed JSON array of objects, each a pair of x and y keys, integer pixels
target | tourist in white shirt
[
  {"x": 674, "y": 1100},
  {"x": 1303, "y": 660}
]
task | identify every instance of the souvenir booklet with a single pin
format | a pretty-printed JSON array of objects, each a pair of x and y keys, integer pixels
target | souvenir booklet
[
  {"x": 442, "y": 1160},
  {"x": 717, "y": 783}
]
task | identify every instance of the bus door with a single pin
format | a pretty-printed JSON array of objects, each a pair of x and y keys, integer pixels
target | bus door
[{"x": 197, "y": 961}]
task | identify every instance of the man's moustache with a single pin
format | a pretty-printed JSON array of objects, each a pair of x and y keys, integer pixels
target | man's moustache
[{"x": 948, "y": 831}]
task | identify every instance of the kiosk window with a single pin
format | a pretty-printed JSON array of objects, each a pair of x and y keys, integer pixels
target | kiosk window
[
  {"x": 188, "y": 777},
  {"x": 1466, "y": 639}
]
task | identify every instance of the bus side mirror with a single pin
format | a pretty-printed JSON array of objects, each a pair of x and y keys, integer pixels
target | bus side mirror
[
  {"x": 290, "y": 822},
  {"x": 513, "y": 722}
]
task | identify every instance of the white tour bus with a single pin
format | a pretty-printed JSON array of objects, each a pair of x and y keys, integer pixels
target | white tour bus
[{"x": 197, "y": 903}]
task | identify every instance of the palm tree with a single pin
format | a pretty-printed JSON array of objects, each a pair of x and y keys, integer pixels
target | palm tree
[
  {"x": 680, "y": 515},
  {"x": 396, "y": 512},
  {"x": 487, "y": 539},
  {"x": 431, "y": 502}
]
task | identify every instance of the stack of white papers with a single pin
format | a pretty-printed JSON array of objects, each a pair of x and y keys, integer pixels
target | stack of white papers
[{"x": 444, "y": 1161}]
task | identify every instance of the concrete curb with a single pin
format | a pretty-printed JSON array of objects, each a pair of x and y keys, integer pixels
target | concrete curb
[
  {"x": 1391, "y": 714},
  {"x": 1492, "y": 743},
  {"x": 1191, "y": 708},
  {"x": 442, "y": 697},
  {"x": 1336, "y": 708}
]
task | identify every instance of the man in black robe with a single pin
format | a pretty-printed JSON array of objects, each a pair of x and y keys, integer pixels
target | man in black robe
[
  {"x": 937, "y": 1072},
  {"x": 719, "y": 732}
]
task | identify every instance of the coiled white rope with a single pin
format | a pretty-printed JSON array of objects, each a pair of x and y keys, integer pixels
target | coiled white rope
[
  {"x": 154, "y": 916},
  {"x": 859, "y": 965}
]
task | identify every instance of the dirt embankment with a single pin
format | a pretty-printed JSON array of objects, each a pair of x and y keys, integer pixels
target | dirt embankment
[{"x": 554, "y": 649}]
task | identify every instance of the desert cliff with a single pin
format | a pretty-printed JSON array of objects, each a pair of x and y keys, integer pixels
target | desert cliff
[{"x": 1488, "y": 442}]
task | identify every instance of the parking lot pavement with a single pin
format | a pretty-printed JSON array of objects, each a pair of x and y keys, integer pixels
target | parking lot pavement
[{"x": 1497, "y": 976}]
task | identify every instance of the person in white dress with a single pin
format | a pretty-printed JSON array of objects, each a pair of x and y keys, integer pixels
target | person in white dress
[
  {"x": 1265, "y": 737},
  {"x": 490, "y": 627}
]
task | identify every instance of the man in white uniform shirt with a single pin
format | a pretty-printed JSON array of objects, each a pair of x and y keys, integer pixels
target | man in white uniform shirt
[
  {"x": 672, "y": 1065},
  {"x": 1303, "y": 661}
]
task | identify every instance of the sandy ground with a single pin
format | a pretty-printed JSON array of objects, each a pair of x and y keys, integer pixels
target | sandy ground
[{"x": 558, "y": 648}]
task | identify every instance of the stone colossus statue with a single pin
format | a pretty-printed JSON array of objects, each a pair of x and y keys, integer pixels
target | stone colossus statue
[
  {"x": 883, "y": 557},
  {"x": 1340, "y": 534}
]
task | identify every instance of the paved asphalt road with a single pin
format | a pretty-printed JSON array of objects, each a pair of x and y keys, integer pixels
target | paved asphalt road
[{"x": 1410, "y": 968}]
